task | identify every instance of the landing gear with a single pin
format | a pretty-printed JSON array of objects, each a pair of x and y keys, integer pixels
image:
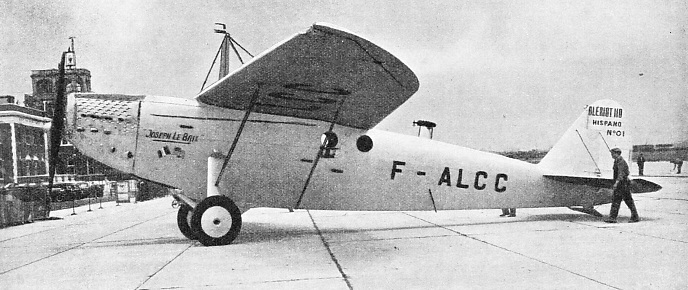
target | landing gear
[
  {"x": 216, "y": 221},
  {"x": 184, "y": 221}
]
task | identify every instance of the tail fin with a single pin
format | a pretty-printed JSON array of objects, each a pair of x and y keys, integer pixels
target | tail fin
[{"x": 584, "y": 148}]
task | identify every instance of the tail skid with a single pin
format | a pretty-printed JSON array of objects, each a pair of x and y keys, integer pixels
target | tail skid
[{"x": 588, "y": 210}]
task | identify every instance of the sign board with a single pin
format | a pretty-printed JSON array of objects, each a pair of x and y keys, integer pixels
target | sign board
[
  {"x": 123, "y": 191},
  {"x": 607, "y": 125}
]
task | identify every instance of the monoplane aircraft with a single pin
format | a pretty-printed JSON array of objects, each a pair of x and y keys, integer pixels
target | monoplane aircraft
[{"x": 294, "y": 128}]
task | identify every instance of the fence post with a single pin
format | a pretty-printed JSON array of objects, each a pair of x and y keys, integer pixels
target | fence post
[
  {"x": 73, "y": 202},
  {"x": 3, "y": 210}
]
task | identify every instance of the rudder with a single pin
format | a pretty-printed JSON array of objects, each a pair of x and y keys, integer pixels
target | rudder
[{"x": 584, "y": 148}]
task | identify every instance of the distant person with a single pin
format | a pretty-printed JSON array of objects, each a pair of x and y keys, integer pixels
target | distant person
[
  {"x": 511, "y": 212},
  {"x": 621, "y": 188},
  {"x": 641, "y": 164},
  {"x": 678, "y": 163}
]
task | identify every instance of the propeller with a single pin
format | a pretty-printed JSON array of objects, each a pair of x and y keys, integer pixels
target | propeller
[{"x": 56, "y": 127}]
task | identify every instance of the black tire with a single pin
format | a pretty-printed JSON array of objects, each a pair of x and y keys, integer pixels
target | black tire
[
  {"x": 183, "y": 222},
  {"x": 216, "y": 221}
]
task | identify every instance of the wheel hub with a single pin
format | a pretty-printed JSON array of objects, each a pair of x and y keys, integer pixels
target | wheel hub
[{"x": 216, "y": 221}]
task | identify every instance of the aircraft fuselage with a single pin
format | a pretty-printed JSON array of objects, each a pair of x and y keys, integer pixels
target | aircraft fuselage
[{"x": 280, "y": 161}]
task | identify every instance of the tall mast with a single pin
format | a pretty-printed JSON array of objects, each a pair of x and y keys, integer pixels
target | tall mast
[
  {"x": 227, "y": 42},
  {"x": 224, "y": 50}
]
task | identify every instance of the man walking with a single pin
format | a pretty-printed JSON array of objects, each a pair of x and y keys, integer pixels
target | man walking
[
  {"x": 641, "y": 164},
  {"x": 622, "y": 189},
  {"x": 679, "y": 164}
]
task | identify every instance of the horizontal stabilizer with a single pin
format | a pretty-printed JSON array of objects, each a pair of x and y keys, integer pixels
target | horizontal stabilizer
[
  {"x": 637, "y": 185},
  {"x": 642, "y": 185}
]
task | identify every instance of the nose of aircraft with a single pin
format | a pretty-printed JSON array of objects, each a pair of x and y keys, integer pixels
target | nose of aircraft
[{"x": 104, "y": 127}]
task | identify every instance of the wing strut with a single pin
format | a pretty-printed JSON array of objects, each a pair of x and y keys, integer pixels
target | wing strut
[
  {"x": 236, "y": 137},
  {"x": 320, "y": 153}
]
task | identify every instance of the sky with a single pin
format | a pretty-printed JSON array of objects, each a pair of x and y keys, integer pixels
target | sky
[{"x": 494, "y": 75}]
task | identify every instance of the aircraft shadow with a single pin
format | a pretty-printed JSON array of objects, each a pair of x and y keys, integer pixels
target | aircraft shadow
[
  {"x": 138, "y": 242},
  {"x": 265, "y": 232},
  {"x": 571, "y": 217}
]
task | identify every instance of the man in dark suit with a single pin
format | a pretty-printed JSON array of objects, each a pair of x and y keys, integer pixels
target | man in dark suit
[{"x": 622, "y": 189}]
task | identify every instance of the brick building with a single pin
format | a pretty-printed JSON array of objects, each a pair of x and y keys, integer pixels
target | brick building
[
  {"x": 73, "y": 165},
  {"x": 23, "y": 139},
  {"x": 44, "y": 83}
]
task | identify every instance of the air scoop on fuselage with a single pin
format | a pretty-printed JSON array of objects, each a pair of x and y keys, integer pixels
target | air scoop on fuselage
[{"x": 104, "y": 125}]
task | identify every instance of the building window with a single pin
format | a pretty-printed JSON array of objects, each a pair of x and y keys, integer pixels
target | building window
[
  {"x": 35, "y": 168},
  {"x": 28, "y": 139},
  {"x": 44, "y": 86},
  {"x": 48, "y": 108},
  {"x": 73, "y": 87},
  {"x": 27, "y": 168},
  {"x": 71, "y": 166}
]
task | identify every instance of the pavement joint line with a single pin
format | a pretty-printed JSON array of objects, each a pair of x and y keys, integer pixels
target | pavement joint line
[
  {"x": 669, "y": 198},
  {"x": 332, "y": 256},
  {"x": 608, "y": 226},
  {"x": 251, "y": 283},
  {"x": 656, "y": 237},
  {"x": 163, "y": 266},
  {"x": 45, "y": 230},
  {"x": 77, "y": 245},
  {"x": 664, "y": 212},
  {"x": 640, "y": 234},
  {"x": 25, "y": 235},
  {"x": 514, "y": 252}
]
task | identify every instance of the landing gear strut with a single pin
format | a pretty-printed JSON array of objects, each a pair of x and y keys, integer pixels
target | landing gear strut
[{"x": 215, "y": 221}]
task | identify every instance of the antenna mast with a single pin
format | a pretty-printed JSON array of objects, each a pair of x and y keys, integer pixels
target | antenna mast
[{"x": 223, "y": 51}]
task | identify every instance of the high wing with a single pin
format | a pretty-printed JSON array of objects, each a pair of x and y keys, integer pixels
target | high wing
[{"x": 322, "y": 74}]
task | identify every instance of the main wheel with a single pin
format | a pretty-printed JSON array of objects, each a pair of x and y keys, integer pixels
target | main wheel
[
  {"x": 216, "y": 221},
  {"x": 184, "y": 222}
]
